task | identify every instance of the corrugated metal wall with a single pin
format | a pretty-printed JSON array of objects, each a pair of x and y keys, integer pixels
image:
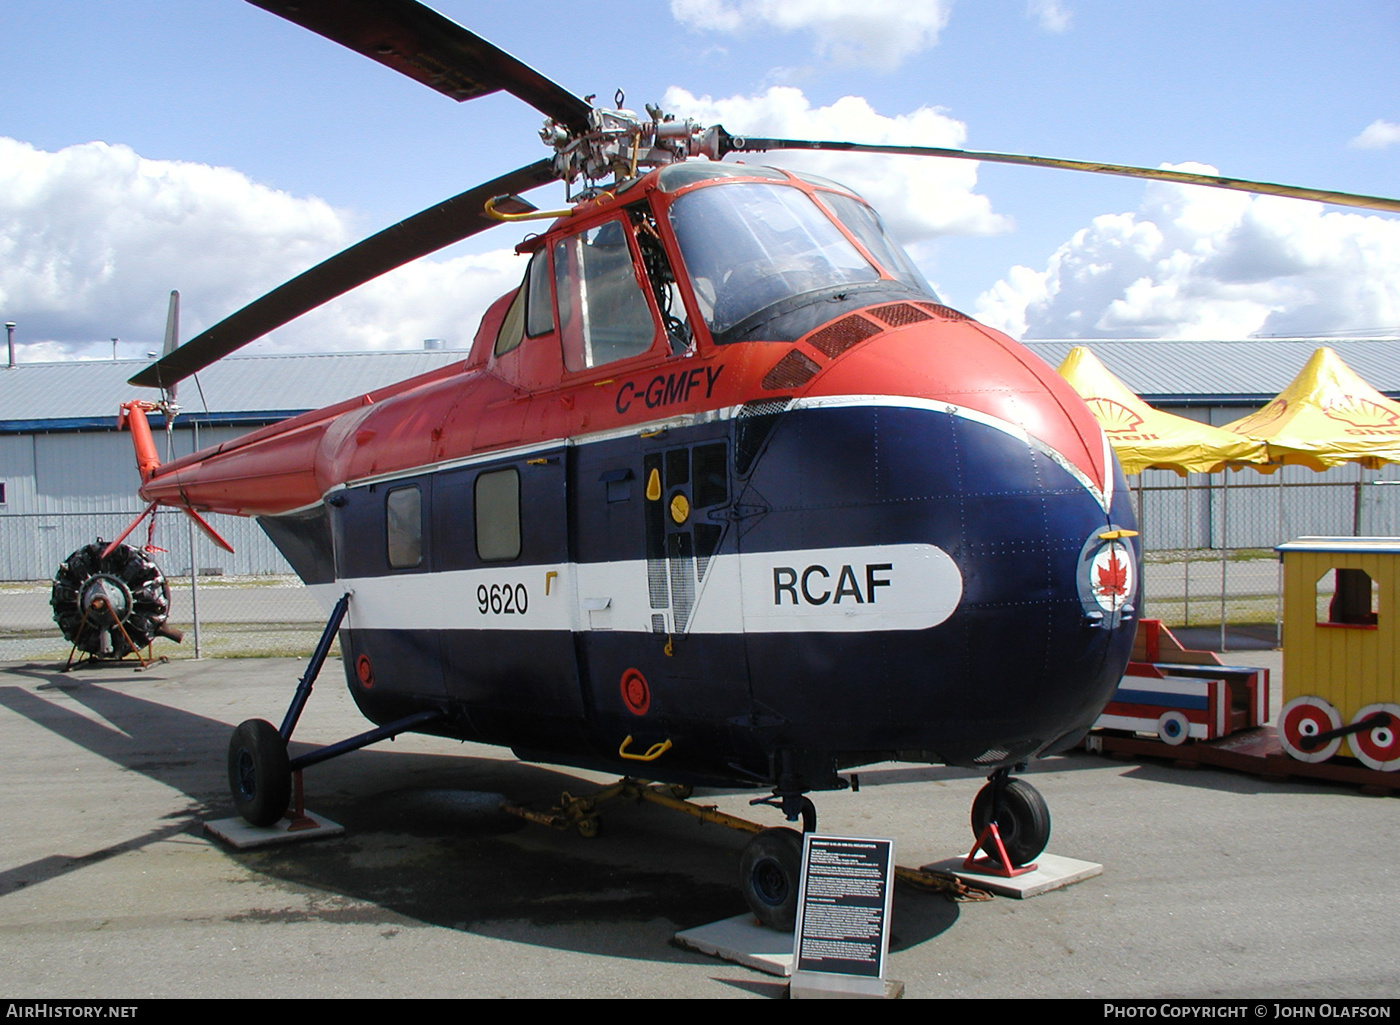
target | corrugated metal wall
[{"x": 65, "y": 490}]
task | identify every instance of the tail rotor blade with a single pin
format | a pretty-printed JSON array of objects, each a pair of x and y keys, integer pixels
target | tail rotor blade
[
  {"x": 737, "y": 144},
  {"x": 172, "y": 342},
  {"x": 450, "y": 221}
]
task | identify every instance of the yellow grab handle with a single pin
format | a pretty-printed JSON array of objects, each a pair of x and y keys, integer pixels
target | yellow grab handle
[{"x": 653, "y": 753}]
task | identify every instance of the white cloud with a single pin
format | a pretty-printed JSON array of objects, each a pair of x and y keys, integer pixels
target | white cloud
[
  {"x": 919, "y": 197},
  {"x": 879, "y": 34},
  {"x": 1051, "y": 14},
  {"x": 94, "y": 237},
  {"x": 427, "y": 299},
  {"x": 1195, "y": 262},
  {"x": 1377, "y": 135}
]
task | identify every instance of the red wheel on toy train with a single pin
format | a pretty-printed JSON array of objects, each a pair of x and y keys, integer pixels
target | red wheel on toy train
[
  {"x": 1307, "y": 717},
  {"x": 1379, "y": 747}
]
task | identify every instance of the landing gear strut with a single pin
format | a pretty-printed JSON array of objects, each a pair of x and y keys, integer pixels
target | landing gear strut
[
  {"x": 770, "y": 869},
  {"x": 260, "y": 771}
]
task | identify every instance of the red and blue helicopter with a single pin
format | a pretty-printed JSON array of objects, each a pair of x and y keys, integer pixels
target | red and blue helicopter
[{"x": 723, "y": 494}]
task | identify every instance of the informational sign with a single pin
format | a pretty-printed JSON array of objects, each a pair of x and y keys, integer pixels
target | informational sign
[{"x": 843, "y": 915}]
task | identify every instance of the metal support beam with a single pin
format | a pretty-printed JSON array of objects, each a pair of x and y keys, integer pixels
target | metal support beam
[
  {"x": 313, "y": 668},
  {"x": 393, "y": 729}
]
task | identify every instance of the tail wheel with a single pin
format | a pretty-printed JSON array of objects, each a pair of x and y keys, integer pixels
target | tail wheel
[
  {"x": 770, "y": 873},
  {"x": 1379, "y": 747},
  {"x": 1307, "y": 717},
  {"x": 259, "y": 774},
  {"x": 109, "y": 607},
  {"x": 1023, "y": 821}
]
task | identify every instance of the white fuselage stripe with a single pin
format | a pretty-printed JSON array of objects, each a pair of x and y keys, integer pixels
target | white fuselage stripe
[{"x": 831, "y": 590}]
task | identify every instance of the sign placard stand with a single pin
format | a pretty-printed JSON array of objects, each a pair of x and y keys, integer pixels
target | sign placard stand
[{"x": 843, "y": 919}]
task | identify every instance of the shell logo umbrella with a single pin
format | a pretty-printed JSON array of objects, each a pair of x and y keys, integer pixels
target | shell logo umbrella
[
  {"x": 1329, "y": 415},
  {"x": 1143, "y": 437}
]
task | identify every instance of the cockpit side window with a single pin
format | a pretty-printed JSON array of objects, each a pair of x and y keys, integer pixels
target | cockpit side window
[
  {"x": 603, "y": 312},
  {"x": 664, "y": 288}
]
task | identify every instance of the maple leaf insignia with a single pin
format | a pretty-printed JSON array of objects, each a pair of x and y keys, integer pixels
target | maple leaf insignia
[{"x": 1113, "y": 578}]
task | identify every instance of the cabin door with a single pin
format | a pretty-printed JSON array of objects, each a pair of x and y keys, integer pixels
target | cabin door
[
  {"x": 502, "y": 551},
  {"x": 650, "y": 524}
]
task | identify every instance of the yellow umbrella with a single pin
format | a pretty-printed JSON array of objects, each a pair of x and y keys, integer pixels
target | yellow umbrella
[
  {"x": 1327, "y": 416},
  {"x": 1144, "y": 437}
]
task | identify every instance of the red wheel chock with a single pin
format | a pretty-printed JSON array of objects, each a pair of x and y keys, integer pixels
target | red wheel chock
[
  {"x": 297, "y": 812},
  {"x": 994, "y": 866}
]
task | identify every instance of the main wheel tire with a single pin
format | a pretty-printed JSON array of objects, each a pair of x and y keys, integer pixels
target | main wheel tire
[
  {"x": 770, "y": 873},
  {"x": 1024, "y": 822},
  {"x": 259, "y": 775}
]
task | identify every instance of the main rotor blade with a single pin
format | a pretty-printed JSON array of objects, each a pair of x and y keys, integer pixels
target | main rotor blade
[
  {"x": 419, "y": 42},
  {"x": 450, "y": 221},
  {"x": 737, "y": 144}
]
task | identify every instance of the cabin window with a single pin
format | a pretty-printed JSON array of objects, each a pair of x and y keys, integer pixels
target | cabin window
[
  {"x": 539, "y": 310},
  {"x": 1347, "y": 597},
  {"x": 498, "y": 515},
  {"x": 512, "y": 331},
  {"x": 603, "y": 312},
  {"x": 404, "y": 527}
]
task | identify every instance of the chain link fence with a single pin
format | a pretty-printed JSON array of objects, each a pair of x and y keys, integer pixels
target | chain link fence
[
  {"x": 245, "y": 604},
  {"x": 1208, "y": 540}
]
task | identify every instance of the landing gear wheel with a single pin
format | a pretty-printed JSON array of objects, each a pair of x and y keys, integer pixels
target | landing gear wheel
[
  {"x": 1307, "y": 717},
  {"x": 1379, "y": 747},
  {"x": 259, "y": 775},
  {"x": 770, "y": 871},
  {"x": 1173, "y": 728},
  {"x": 1024, "y": 822},
  {"x": 590, "y": 827},
  {"x": 681, "y": 791}
]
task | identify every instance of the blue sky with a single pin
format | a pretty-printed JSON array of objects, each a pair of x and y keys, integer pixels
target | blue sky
[{"x": 1277, "y": 91}]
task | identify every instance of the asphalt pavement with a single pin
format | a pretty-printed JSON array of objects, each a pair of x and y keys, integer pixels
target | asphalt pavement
[{"x": 1215, "y": 883}]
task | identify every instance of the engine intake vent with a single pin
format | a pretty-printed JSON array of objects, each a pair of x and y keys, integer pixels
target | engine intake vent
[
  {"x": 792, "y": 371},
  {"x": 944, "y": 312},
  {"x": 835, "y": 339},
  {"x": 899, "y": 314}
]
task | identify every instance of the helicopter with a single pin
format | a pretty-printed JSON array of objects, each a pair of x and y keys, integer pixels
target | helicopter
[{"x": 722, "y": 493}]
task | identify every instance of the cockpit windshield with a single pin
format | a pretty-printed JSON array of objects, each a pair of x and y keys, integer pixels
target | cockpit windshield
[{"x": 751, "y": 245}]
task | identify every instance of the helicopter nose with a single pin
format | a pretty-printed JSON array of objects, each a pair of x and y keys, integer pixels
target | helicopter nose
[
  {"x": 948, "y": 434},
  {"x": 947, "y": 359}
]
